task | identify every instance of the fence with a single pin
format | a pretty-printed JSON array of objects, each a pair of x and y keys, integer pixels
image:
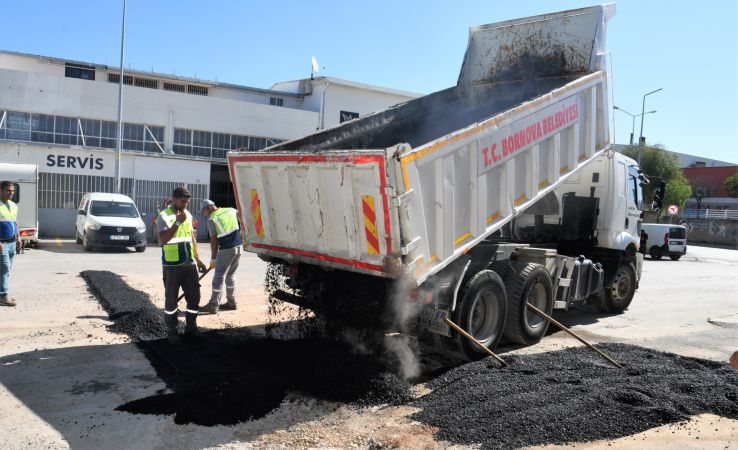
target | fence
[{"x": 731, "y": 214}]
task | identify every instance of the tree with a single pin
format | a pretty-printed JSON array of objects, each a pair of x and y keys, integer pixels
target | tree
[
  {"x": 678, "y": 191},
  {"x": 657, "y": 164},
  {"x": 731, "y": 185}
]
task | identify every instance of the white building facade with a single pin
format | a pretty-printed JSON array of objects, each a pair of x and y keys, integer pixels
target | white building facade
[{"x": 62, "y": 115}]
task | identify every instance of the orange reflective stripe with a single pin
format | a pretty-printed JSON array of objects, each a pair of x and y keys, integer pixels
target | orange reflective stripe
[
  {"x": 256, "y": 212},
  {"x": 370, "y": 225}
]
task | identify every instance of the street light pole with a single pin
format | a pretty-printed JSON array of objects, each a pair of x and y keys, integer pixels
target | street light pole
[
  {"x": 633, "y": 117},
  {"x": 643, "y": 109},
  {"x": 120, "y": 105}
]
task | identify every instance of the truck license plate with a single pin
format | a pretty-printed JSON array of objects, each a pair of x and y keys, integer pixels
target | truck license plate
[
  {"x": 433, "y": 321},
  {"x": 118, "y": 237}
]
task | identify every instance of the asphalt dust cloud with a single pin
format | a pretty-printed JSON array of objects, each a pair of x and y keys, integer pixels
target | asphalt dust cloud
[{"x": 574, "y": 396}]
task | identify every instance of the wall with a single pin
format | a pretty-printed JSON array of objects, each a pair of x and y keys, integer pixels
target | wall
[
  {"x": 49, "y": 94},
  {"x": 712, "y": 231},
  {"x": 711, "y": 179}
]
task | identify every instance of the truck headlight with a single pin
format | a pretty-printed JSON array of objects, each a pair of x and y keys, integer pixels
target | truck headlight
[{"x": 93, "y": 225}]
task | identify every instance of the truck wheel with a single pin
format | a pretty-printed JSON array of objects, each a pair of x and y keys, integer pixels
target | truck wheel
[
  {"x": 655, "y": 253},
  {"x": 482, "y": 313},
  {"x": 675, "y": 257},
  {"x": 619, "y": 293},
  {"x": 530, "y": 284}
]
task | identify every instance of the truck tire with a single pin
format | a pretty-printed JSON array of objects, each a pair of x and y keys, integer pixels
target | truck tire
[
  {"x": 530, "y": 283},
  {"x": 619, "y": 293},
  {"x": 655, "y": 253},
  {"x": 481, "y": 313}
]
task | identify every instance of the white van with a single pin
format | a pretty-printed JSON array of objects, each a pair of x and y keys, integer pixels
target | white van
[
  {"x": 25, "y": 178},
  {"x": 665, "y": 240},
  {"x": 109, "y": 220}
]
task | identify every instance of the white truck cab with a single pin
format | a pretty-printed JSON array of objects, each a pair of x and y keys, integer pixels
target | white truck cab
[{"x": 109, "y": 220}]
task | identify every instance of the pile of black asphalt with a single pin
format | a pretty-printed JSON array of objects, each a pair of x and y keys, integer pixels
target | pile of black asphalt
[
  {"x": 233, "y": 375},
  {"x": 573, "y": 395}
]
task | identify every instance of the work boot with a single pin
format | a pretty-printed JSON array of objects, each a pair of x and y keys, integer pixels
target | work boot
[
  {"x": 208, "y": 309},
  {"x": 7, "y": 301},
  {"x": 173, "y": 336},
  {"x": 228, "y": 307}
]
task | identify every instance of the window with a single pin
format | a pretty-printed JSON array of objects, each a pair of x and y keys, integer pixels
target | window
[
  {"x": 65, "y": 130},
  {"x": 635, "y": 185},
  {"x": 115, "y": 78},
  {"x": 103, "y": 208},
  {"x": 42, "y": 128},
  {"x": 18, "y": 126},
  {"x": 221, "y": 144},
  {"x": 197, "y": 90},
  {"x": 674, "y": 232},
  {"x": 108, "y": 134},
  {"x": 239, "y": 142},
  {"x": 174, "y": 87},
  {"x": 257, "y": 143},
  {"x": 276, "y": 101},
  {"x": 154, "y": 136},
  {"x": 201, "y": 143},
  {"x": 146, "y": 83},
  {"x": 133, "y": 137},
  {"x": 90, "y": 132},
  {"x": 182, "y": 141},
  {"x": 79, "y": 71}
]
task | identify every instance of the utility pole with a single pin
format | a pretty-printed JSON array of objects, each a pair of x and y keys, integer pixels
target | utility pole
[
  {"x": 643, "y": 112},
  {"x": 120, "y": 105}
]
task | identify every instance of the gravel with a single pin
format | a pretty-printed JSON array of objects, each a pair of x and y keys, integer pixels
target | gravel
[{"x": 574, "y": 396}]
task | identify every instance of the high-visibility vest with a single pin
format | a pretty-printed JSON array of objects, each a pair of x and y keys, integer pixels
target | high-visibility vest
[
  {"x": 178, "y": 250},
  {"x": 8, "y": 220},
  {"x": 226, "y": 227}
]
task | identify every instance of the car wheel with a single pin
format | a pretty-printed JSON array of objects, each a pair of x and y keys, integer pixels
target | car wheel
[
  {"x": 141, "y": 248},
  {"x": 619, "y": 293},
  {"x": 655, "y": 253},
  {"x": 675, "y": 257},
  {"x": 78, "y": 239},
  {"x": 86, "y": 245}
]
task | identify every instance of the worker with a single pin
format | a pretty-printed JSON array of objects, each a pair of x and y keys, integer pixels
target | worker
[
  {"x": 225, "y": 248},
  {"x": 644, "y": 242},
  {"x": 10, "y": 240},
  {"x": 179, "y": 256}
]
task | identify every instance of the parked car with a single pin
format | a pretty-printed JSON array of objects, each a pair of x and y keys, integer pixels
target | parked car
[
  {"x": 109, "y": 220},
  {"x": 665, "y": 240}
]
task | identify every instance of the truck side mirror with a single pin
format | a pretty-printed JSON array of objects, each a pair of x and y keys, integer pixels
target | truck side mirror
[{"x": 659, "y": 190}]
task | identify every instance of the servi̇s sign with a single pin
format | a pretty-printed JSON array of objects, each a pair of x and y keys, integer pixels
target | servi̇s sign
[
  {"x": 75, "y": 162},
  {"x": 525, "y": 133}
]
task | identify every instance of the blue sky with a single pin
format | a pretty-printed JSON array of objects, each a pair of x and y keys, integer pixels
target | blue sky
[{"x": 688, "y": 49}]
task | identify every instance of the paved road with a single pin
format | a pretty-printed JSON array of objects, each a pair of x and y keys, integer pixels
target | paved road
[{"x": 62, "y": 373}]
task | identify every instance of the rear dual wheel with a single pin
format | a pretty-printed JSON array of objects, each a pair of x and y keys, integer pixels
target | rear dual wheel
[
  {"x": 482, "y": 314},
  {"x": 529, "y": 283}
]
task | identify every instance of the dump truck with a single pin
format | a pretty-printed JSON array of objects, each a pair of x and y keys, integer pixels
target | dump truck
[{"x": 463, "y": 204}]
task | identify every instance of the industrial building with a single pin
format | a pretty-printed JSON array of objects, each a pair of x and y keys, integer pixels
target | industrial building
[{"x": 62, "y": 116}]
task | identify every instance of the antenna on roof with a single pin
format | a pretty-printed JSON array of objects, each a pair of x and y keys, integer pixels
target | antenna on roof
[{"x": 314, "y": 67}]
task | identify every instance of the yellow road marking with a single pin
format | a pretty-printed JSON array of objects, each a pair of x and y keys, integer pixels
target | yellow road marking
[{"x": 59, "y": 242}]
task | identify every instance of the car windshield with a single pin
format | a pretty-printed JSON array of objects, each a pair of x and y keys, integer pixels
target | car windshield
[{"x": 113, "y": 209}]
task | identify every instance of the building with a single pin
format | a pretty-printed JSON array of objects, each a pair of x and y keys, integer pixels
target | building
[
  {"x": 708, "y": 187},
  {"x": 62, "y": 115}
]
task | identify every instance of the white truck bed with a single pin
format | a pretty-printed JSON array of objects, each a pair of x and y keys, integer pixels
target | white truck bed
[{"x": 405, "y": 191}]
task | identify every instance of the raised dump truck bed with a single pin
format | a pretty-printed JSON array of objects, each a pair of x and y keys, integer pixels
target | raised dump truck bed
[{"x": 409, "y": 193}]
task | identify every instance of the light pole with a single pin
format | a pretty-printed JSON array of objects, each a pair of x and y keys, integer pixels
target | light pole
[
  {"x": 120, "y": 104},
  {"x": 633, "y": 116},
  {"x": 643, "y": 108}
]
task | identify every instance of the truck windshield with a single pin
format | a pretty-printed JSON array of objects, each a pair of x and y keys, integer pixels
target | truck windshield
[
  {"x": 113, "y": 209},
  {"x": 635, "y": 186}
]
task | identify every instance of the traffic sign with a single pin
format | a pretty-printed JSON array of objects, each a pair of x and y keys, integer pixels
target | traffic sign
[{"x": 673, "y": 210}]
